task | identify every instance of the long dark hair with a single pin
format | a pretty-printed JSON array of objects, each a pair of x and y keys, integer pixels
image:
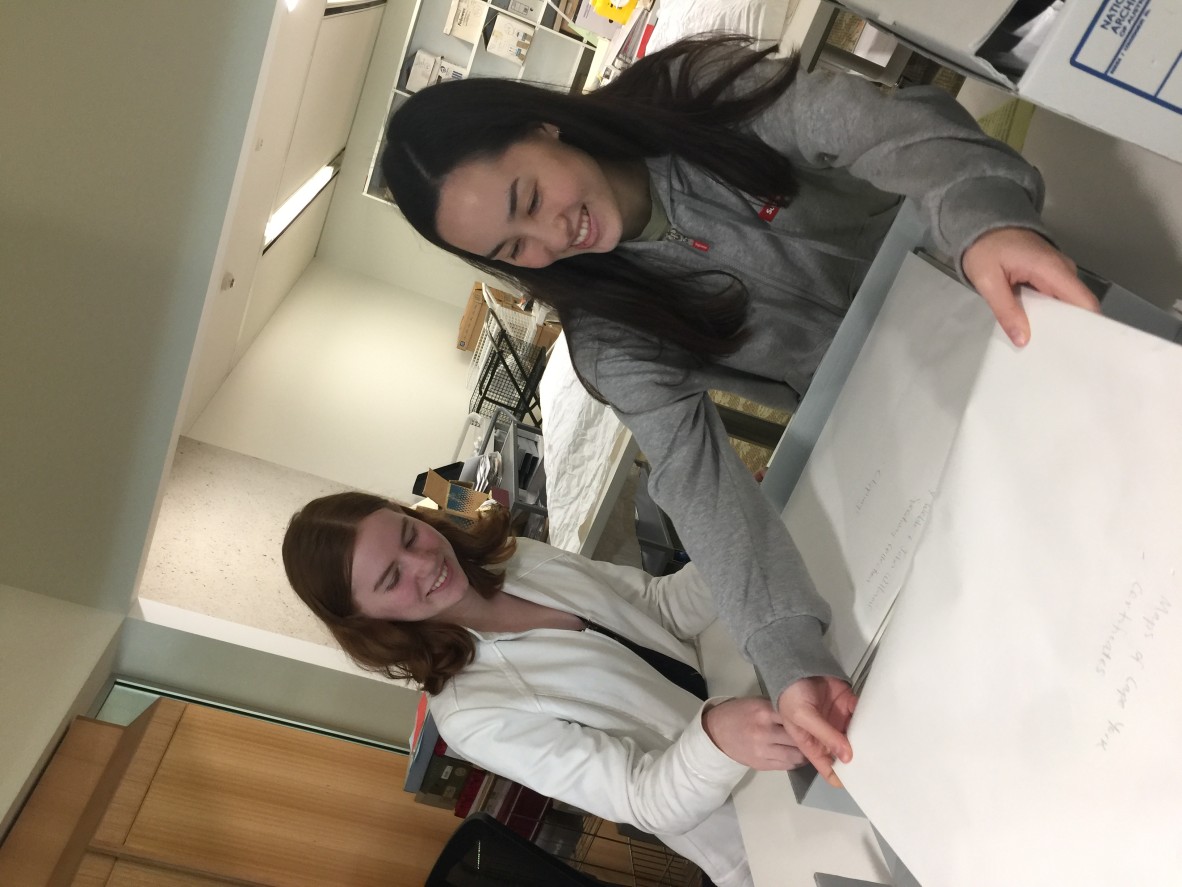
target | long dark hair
[
  {"x": 318, "y": 558},
  {"x": 678, "y": 101}
]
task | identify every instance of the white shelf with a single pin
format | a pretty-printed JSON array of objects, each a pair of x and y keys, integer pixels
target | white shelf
[{"x": 554, "y": 59}]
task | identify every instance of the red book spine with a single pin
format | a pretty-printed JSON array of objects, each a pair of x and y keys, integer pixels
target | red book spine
[{"x": 469, "y": 792}]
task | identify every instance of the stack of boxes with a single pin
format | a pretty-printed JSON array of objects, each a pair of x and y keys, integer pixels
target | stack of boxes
[{"x": 476, "y": 312}]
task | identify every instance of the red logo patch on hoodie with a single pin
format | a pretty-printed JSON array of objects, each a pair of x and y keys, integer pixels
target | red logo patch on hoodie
[{"x": 769, "y": 211}]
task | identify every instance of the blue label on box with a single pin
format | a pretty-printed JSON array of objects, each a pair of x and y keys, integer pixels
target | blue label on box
[{"x": 1124, "y": 46}]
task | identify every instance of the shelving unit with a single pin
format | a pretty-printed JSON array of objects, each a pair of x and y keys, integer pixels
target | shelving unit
[
  {"x": 523, "y": 473},
  {"x": 554, "y": 59}
]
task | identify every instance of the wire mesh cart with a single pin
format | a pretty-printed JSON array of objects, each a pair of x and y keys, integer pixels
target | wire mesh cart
[{"x": 507, "y": 365}]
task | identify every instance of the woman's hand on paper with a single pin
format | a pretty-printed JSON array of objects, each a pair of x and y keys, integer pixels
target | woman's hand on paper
[
  {"x": 999, "y": 261},
  {"x": 750, "y": 731},
  {"x": 816, "y": 713}
]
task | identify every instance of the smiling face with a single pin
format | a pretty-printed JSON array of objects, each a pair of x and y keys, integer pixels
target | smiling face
[
  {"x": 539, "y": 201},
  {"x": 404, "y": 570}
]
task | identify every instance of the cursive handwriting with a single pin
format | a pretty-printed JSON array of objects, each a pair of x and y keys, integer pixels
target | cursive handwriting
[
  {"x": 884, "y": 576},
  {"x": 1127, "y": 651},
  {"x": 867, "y": 490}
]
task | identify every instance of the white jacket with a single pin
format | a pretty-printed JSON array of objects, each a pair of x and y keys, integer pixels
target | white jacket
[{"x": 578, "y": 717}]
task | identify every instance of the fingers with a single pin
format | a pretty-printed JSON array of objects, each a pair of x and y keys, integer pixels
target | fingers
[
  {"x": 826, "y": 734},
  {"x": 794, "y": 758},
  {"x": 819, "y": 743},
  {"x": 816, "y": 712},
  {"x": 751, "y": 732},
  {"x": 819, "y": 757},
  {"x": 995, "y": 289},
  {"x": 1059, "y": 280},
  {"x": 844, "y": 706},
  {"x": 1000, "y": 259},
  {"x": 777, "y": 751}
]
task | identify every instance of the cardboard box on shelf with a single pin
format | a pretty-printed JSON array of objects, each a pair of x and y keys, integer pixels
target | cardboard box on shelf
[
  {"x": 444, "y": 780},
  {"x": 456, "y": 500},
  {"x": 472, "y": 322},
  {"x": 451, "y": 71},
  {"x": 505, "y": 299},
  {"x": 424, "y": 71},
  {"x": 465, "y": 18},
  {"x": 476, "y": 311},
  {"x": 546, "y": 335},
  {"x": 1110, "y": 64},
  {"x": 509, "y": 38}
]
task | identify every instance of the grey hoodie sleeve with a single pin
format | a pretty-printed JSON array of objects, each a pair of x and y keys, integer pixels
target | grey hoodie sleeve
[
  {"x": 737, "y": 540},
  {"x": 918, "y": 142}
]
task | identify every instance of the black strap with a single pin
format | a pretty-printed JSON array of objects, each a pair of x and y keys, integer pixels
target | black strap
[{"x": 685, "y": 676}]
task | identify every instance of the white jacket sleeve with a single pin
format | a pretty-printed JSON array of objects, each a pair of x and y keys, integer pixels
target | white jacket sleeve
[
  {"x": 666, "y": 792},
  {"x": 681, "y": 603}
]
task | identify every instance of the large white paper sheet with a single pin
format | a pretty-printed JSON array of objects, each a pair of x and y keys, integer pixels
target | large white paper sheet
[
  {"x": 1022, "y": 723},
  {"x": 859, "y": 509}
]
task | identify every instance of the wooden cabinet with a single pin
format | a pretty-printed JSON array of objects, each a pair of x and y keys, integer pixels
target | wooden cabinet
[
  {"x": 191, "y": 795},
  {"x": 553, "y": 58}
]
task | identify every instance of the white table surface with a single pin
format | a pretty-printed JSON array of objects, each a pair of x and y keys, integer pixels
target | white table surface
[{"x": 787, "y": 843}]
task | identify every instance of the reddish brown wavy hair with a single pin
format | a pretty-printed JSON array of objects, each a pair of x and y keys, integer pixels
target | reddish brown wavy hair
[{"x": 318, "y": 558}]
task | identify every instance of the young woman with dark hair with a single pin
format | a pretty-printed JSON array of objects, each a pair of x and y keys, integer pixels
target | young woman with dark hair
[
  {"x": 703, "y": 222},
  {"x": 576, "y": 678}
]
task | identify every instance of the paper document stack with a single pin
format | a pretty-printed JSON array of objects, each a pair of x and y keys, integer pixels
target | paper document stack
[{"x": 1022, "y": 720}]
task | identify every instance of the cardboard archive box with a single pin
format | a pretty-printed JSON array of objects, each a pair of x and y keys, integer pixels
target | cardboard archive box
[
  {"x": 459, "y": 502},
  {"x": 509, "y": 38},
  {"x": 465, "y": 18},
  {"x": 472, "y": 322},
  {"x": 476, "y": 311},
  {"x": 424, "y": 71},
  {"x": 450, "y": 71},
  {"x": 1114, "y": 65}
]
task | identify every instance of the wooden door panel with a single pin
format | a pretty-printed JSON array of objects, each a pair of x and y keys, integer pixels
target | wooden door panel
[{"x": 249, "y": 799}]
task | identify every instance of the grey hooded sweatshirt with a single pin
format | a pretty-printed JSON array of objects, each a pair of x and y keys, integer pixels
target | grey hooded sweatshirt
[{"x": 856, "y": 149}]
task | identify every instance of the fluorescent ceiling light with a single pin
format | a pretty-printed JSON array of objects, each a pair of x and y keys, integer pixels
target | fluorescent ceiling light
[{"x": 296, "y": 204}]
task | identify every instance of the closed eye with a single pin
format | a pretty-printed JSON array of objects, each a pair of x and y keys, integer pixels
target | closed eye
[
  {"x": 535, "y": 202},
  {"x": 516, "y": 249}
]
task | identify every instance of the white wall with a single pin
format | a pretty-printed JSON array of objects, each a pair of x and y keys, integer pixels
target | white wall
[
  {"x": 1115, "y": 208},
  {"x": 121, "y": 138},
  {"x": 124, "y": 124},
  {"x": 122, "y": 132},
  {"x": 1112, "y": 206},
  {"x": 336, "y": 73},
  {"x": 216, "y": 548},
  {"x": 278, "y": 270},
  {"x": 304, "y": 107},
  {"x": 366, "y": 235},
  {"x": 277, "y": 103},
  {"x": 54, "y": 656},
  {"x": 207, "y": 657},
  {"x": 352, "y": 380}
]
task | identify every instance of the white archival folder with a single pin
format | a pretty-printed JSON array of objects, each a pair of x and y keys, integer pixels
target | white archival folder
[
  {"x": 861, "y": 503},
  {"x": 1022, "y": 723}
]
